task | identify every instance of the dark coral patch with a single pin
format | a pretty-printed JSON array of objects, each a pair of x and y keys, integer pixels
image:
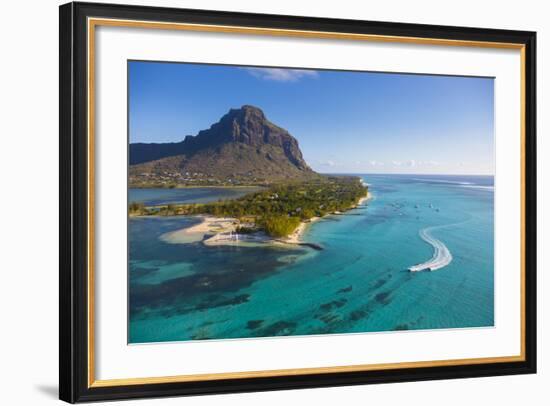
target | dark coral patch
[
  {"x": 329, "y": 318},
  {"x": 235, "y": 300},
  {"x": 280, "y": 328},
  {"x": 358, "y": 315},
  {"x": 383, "y": 298},
  {"x": 215, "y": 301},
  {"x": 379, "y": 283},
  {"x": 201, "y": 334},
  {"x": 335, "y": 304},
  {"x": 346, "y": 289},
  {"x": 254, "y": 324}
]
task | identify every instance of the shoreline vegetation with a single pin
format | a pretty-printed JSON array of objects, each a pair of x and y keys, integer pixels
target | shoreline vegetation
[
  {"x": 199, "y": 186},
  {"x": 279, "y": 214}
]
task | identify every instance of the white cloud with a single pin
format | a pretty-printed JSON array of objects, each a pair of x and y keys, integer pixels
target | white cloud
[
  {"x": 411, "y": 163},
  {"x": 281, "y": 75},
  {"x": 376, "y": 163},
  {"x": 397, "y": 163}
]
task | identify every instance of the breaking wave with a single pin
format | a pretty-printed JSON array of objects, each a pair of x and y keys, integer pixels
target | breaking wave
[
  {"x": 488, "y": 188},
  {"x": 450, "y": 182}
]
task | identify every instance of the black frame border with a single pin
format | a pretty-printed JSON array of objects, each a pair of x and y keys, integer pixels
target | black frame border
[{"x": 73, "y": 195}]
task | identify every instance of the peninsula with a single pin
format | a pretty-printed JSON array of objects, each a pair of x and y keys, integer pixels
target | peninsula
[{"x": 243, "y": 148}]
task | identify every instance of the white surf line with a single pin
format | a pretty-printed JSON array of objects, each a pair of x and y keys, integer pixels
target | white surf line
[
  {"x": 450, "y": 182},
  {"x": 488, "y": 188},
  {"x": 441, "y": 257}
]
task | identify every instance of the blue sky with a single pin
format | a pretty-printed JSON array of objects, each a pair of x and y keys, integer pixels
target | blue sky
[{"x": 347, "y": 122}]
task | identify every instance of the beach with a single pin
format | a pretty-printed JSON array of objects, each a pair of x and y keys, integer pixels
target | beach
[
  {"x": 214, "y": 231},
  {"x": 357, "y": 282},
  {"x": 364, "y": 199},
  {"x": 296, "y": 236},
  {"x": 197, "y": 232}
]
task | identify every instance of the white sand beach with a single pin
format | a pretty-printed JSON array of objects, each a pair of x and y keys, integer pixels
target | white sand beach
[
  {"x": 213, "y": 231},
  {"x": 208, "y": 225},
  {"x": 296, "y": 236},
  {"x": 364, "y": 199}
]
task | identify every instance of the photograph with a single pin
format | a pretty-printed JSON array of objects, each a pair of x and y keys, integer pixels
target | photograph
[
  {"x": 256, "y": 200},
  {"x": 285, "y": 201}
]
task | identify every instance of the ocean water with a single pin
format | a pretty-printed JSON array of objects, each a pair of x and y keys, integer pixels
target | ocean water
[
  {"x": 156, "y": 197},
  {"x": 360, "y": 282}
]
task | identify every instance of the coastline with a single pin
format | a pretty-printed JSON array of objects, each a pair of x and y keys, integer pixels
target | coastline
[
  {"x": 197, "y": 232},
  {"x": 354, "y": 265},
  {"x": 296, "y": 236},
  {"x": 364, "y": 199},
  {"x": 259, "y": 187},
  {"x": 215, "y": 231}
]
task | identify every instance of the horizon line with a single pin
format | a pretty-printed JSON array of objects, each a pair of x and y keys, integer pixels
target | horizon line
[{"x": 406, "y": 173}]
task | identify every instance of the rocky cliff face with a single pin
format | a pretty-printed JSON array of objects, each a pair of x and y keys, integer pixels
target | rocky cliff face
[{"x": 243, "y": 147}]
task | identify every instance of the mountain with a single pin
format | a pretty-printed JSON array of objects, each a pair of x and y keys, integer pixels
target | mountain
[{"x": 244, "y": 147}]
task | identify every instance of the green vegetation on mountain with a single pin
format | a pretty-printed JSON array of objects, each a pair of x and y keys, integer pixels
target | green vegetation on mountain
[{"x": 243, "y": 148}]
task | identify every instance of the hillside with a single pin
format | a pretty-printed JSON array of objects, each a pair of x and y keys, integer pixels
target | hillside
[{"x": 243, "y": 147}]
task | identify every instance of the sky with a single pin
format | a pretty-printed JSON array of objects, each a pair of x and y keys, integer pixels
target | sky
[{"x": 345, "y": 122}]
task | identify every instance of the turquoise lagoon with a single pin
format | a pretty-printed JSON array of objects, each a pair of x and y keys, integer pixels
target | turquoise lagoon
[
  {"x": 155, "y": 197},
  {"x": 359, "y": 282}
]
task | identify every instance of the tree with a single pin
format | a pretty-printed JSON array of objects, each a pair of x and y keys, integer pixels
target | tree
[
  {"x": 137, "y": 208},
  {"x": 280, "y": 226}
]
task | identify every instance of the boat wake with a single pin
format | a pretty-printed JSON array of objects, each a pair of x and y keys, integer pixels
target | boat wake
[{"x": 441, "y": 257}]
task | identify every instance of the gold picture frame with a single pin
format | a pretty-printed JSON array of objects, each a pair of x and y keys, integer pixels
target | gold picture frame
[{"x": 78, "y": 25}]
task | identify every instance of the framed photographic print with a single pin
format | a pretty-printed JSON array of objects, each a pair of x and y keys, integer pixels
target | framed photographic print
[{"x": 255, "y": 202}]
